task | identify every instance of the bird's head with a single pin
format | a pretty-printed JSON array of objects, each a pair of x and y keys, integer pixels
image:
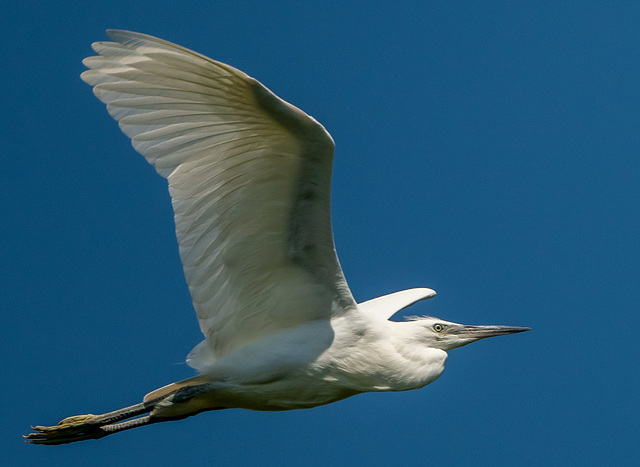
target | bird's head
[{"x": 445, "y": 335}]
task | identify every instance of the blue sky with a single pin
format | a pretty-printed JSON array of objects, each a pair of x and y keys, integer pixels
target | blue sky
[{"x": 489, "y": 150}]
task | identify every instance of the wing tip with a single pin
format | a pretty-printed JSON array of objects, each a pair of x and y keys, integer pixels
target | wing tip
[
  {"x": 427, "y": 292},
  {"x": 119, "y": 35},
  {"x": 388, "y": 305}
]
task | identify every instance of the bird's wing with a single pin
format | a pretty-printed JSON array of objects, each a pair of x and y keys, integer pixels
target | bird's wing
[
  {"x": 249, "y": 176},
  {"x": 388, "y": 305}
]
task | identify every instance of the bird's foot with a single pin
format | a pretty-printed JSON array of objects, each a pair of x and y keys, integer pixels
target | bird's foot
[
  {"x": 89, "y": 426},
  {"x": 69, "y": 422},
  {"x": 75, "y": 428}
]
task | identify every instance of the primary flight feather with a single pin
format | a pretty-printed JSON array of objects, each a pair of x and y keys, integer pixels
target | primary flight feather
[{"x": 249, "y": 176}]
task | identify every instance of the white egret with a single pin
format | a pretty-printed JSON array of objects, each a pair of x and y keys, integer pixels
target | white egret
[{"x": 249, "y": 176}]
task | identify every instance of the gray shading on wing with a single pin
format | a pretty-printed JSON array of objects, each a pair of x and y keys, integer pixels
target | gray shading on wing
[{"x": 249, "y": 177}]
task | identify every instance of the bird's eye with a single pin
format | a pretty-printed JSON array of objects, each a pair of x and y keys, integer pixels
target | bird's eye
[{"x": 438, "y": 327}]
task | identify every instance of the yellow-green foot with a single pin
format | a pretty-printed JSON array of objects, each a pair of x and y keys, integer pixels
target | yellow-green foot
[
  {"x": 89, "y": 426},
  {"x": 76, "y": 428}
]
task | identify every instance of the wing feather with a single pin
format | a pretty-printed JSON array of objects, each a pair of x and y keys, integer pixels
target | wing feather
[{"x": 249, "y": 177}]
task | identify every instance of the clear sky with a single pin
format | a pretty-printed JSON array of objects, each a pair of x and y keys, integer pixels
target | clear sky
[{"x": 489, "y": 150}]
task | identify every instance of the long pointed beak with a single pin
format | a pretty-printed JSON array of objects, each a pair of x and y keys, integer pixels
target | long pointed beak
[{"x": 481, "y": 332}]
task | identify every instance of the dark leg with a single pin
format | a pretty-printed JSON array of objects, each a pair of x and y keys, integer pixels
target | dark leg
[{"x": 81, "y": 427}]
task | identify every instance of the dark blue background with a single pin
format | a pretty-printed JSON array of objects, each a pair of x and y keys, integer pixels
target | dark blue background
[{"x": 489, "y": 150}]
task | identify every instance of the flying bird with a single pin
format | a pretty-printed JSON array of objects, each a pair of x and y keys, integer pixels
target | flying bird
[{"x": 249, "y": 176}]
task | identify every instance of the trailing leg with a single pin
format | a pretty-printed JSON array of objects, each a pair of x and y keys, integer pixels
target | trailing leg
[
  {"x": 89, "y": 426},
  {"x": 177, "y": 396}
]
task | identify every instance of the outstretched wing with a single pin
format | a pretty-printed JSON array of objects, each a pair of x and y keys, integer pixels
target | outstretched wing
[{"x": 249, "y": 176}]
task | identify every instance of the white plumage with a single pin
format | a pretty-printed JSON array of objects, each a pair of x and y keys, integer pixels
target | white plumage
[{"x": 249, "y": 176}]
